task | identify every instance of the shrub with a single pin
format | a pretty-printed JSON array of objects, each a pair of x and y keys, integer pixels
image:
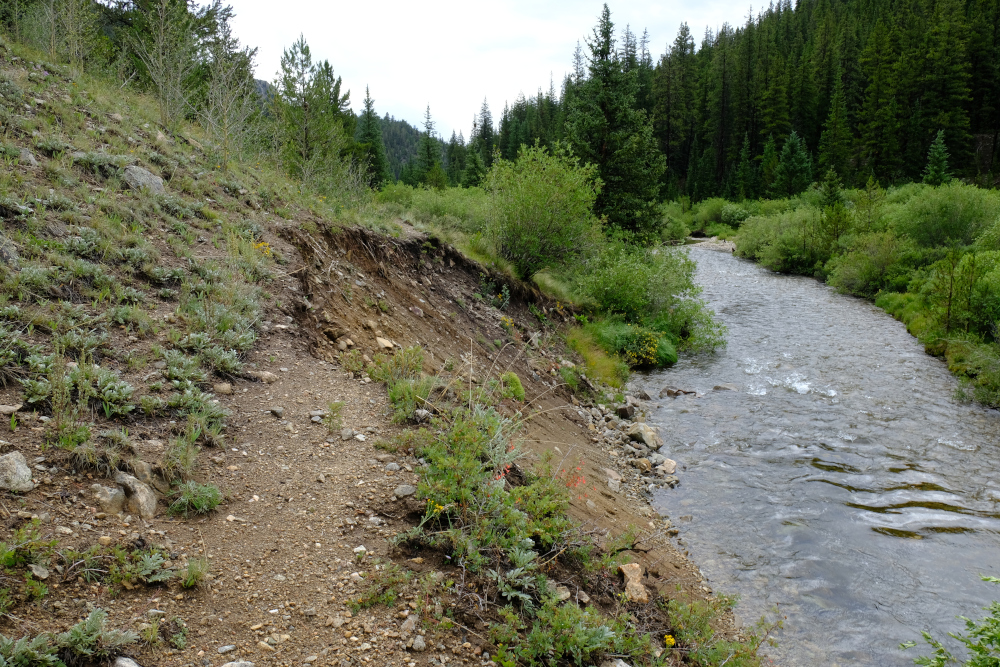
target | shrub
[
  {"x": 540, "y": 209},
  {"x": 638, "y": 346},
  {"x": 874, "y": 262},
  {"x": 194, "y": 498},
  {"x": 195, "y": 572},
  {"x": 511, "y": 387},
  {"x": 609, "y": 370},
  {"x": 950, "y": 213},
  {"x": 402, "y": 364},
  {"x": 636, "y": 283},
  {"x": 352, "y": 361},
  {"x": 789, "y": 242},
  {"x": 410, "y": 394},
  {"x": 981, "y": 642},
  {"x": 333, "y": 420}
]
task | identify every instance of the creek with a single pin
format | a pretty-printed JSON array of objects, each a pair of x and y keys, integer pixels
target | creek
[{"x": 843, "y": 482}]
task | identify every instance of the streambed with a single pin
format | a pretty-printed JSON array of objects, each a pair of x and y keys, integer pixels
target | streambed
[{"x": 842, "y": 482}]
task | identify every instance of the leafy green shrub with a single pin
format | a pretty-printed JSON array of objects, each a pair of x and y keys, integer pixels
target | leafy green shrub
[
  {"x": 733, "y": 215},
  {"x": 872, "y": 263},
  {"x": 409, "y": 394},
  {"x": 950, "y": 213},
  {"x": 638, "y": 346},
  {"x": 194, "y": 498},
  {"x": 789, "y": 242},
  {"x": 511, "y": 387},
  {"x": 333, "y": 419},
  {"x": 353, "y": 361},
  {"x": 636, "y": 283},
  {"x": 86, "y": 642},
  {"x": 540, "y": 209},
  {"x": 612, "y": 371}
]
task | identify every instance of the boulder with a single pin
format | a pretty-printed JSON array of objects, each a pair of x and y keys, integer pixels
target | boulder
[
  {"x": 139, "y": 498},
  {"x": 634, "y": 589},
  {"x": 15, "y": 475},
  {"x": 642, "y": 464},
  {"x": 644, "y": 433},
  {"x": 112, "y": 501},
  {"x": 27, "y": 159},
  {"x": 668, "y": 466},
  {"x": 138, "y": 178},
  {"x": 143, "y": 472},
  {"x": 625, "y": 412},
  {"x": 8, "y": 253},
  {"x": 643, "y": 395}
]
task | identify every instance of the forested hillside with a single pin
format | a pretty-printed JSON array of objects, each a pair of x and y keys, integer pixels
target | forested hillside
[{"x": 865, "y": 84}]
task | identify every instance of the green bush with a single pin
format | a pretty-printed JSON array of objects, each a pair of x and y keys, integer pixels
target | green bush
[
  {"x": 635, "y": 282},
  {"x": 407, "y": 395},
  {"x": 952, "y": 213},
  {"x": 638, "y": 346},
  {"x": 402, "y": 364},
  {"x": 511, "y": 386},
  {"x": 788, "y": 242},
  {"x": 872, "y": 263},
  {"x": 540, "y": 212},
  {"x": 981, "y": 640}
]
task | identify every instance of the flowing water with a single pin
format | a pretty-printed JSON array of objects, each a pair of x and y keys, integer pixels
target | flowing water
[{"x": 842, "y": 483}]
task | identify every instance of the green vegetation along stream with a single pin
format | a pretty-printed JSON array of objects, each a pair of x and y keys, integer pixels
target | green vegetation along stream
[{"x": 842, "y": 483}]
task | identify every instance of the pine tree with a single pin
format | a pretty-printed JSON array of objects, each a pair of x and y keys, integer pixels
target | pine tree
[
  {"x": 428, "y": 167},
  {"x": 457, "y": 157},
  {"x": 486, "y": 134},
  {"x": 794, "y": 172},
  {"x": 475, "y": 168},
  {"x": 744, "y": 185},
  {"x": 769, "y": 161},
  {"x": 836, "y": 142},
  {"x": 936, "y": 172},
  {"x": 372, "y": 146},
  {"x": 878, "y": 118},
  {"x": 605, "y": 129},
  {"x": 311, "y": 114}
]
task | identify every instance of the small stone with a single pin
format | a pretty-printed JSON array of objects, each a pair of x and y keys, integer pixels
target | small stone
[
  {"x": 612, "y": 474},
  {"x": 614, "y": 485},
  {"x": 63, "y": 530},
  {"x": 419, "y": 645},
  {"x": 277, "y": 412},
  {"x": 360, "y": 437},
  {"x": 104, "y": 541},
  {"x": 384, "y": 343},
  {"x": 122, "y": 661},
  {"x": 642, "y": 464},
  {"x": 228, "y": 648},
  {"x": 725, "y": 387},
  {"x": 421, "y": 415},
  {"x": 583, "y": 598},
  {"x": 117, "y": 117},
  {"x": 392, "y": 467},
  {"x": 404, "y": 490},
  {"x": 27, "y": 159},
  {"x": 239, "y": 663},
  {"x": 15, "y": 475},
  {"x": 267, "y": 377},
  {"x": 409, "y": 626},
  {"x": 223, "y": 388},
  {"x": 8, "y": 410},
  {"x": 143, "y": 472},
  {"x": 284, "y": 369},
  {"x": 360, "y": 551},
  {"x": 562, "y": 593},
  {"x": 346, "y": 434},
  {"x": 416, "y": 311},
  {"x": 617, "y": 662},
  {"x": 39, "y": 571},
  {"x": 264, "y": 646},
  {"x": 156, "y": 613}
]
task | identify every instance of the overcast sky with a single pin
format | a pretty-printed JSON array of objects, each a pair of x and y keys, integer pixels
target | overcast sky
[{"x": 451, "y": 54}]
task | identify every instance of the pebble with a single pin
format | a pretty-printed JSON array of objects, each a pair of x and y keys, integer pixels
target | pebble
[
  {"x": 223, "y": 388},
  {"x": 239, "y": 663},
  {"x": 360, "y": 550},
  {"x": 227, "y": 648},
  {"x": 404, "y": 490},
  {"x": 614, "y": 485},
  {"x": 419, "y": 644},
  {"x": 392, "y": 467},
  {"x": 346, "y": 434},
  {"x": 277, "y": 412},
  {"x": 264, "y": 646}
]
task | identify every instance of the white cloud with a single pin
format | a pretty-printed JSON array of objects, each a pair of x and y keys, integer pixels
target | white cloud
[{"x": 452, "y": 54}]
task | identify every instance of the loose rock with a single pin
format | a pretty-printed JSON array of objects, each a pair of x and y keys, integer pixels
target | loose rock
[
  {"x": 239, "y": 663},
  {"x": 404, "y": 490},
  {"x": 633, "y": 582},
  {"x": 8, "y": 410},
  {"x": 725, "y": 387},
  {"x": 27, "y": 159},
  {"x": 419, "y": 644},
  {"x": 645, "y": 434},
  {"x": 223, "y": 388},
  {"x": 15, "y": 475},
  {"x": 139, "y": 498},
  {"x": 138, "y": 178},
  {"x": 227, "y": 649},
  {"x": 266, "y": 377}
]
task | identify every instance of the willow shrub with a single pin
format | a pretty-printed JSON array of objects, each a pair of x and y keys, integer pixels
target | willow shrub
[{"x": 540, "y": 210}]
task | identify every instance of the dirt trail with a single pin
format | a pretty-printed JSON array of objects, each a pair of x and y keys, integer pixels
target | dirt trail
[{"x": 302, "y": 502}]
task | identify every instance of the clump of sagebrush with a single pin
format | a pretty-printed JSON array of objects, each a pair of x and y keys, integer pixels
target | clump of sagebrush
[{"x": 89, "y": 640}]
